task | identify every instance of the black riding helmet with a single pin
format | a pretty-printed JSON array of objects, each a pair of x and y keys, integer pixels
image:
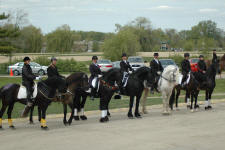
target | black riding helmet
[
  {"x": 26, "y": 59},
  {"x": 186, "y": 55},
  {"x": 94, "y": 58},
  {"x": 156, "y": 54},
  {"x": 201, "y": 56},
  {"x": 124, "y": 55},
  {"x": 53, "y": 58}
]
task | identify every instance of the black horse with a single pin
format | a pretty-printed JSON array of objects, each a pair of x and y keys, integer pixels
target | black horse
[
  {"x": 189, "y": 89},
  {"x": 8, "y": 94},
  {"x": 209, "y": 85},
  {"x": 76, "y": 82},
  {"x": 135, "y": 86}
]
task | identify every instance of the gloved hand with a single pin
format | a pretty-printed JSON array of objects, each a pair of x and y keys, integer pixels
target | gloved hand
[
  {"x": 130, "y": 72},
  {"x": 99, "y": 75},
  {"x": 38, "y": 78},
  {"x": 159, "y": 72}
]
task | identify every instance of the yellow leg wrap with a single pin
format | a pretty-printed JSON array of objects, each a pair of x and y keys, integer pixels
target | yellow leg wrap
[
  {"x": 0, "y": 121},
  {"x": 10, "y": 122},
  {"x": 43, "y": 123}
]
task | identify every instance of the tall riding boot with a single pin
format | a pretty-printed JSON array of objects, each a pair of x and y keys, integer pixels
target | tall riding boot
[
  {"x": 27, "y": 107},
  {"x": 93, "y": 91}
]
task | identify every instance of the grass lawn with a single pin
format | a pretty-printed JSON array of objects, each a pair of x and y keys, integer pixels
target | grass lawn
[{"x": 56, "y": 108}]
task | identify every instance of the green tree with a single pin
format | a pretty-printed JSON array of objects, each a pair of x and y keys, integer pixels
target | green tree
[
  {"x": 125, "y": 41},
  {"x": 7, "y": 33}
]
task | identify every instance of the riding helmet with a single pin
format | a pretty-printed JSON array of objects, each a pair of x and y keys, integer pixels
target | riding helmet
[
  {"x": 26, "y": 58},
  {"x": 124, "y": 55},
  {"x": 53, "y": 59},
  {"x": 201, "y": 56},
  {"x": 94, "y": 58},
  {"x": 156, "y": 54},
  {"x": 186, "y": 55}
]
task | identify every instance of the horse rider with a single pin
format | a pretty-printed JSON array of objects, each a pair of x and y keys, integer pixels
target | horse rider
[
  {"x": 157, "y": 70},
  {"x": 201, "y": 69},
  {"x": 52, "y": 70},
  {"x": 28, "y": 81},
  {"x": 125, "y": 69},
  {"x": 186, "y": 69},
  {"x": 95, "y": 75},
  {"x": 214, "y": 60}
]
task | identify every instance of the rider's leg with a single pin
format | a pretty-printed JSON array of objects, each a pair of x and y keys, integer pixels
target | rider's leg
[{"x": 27, "y": 108}]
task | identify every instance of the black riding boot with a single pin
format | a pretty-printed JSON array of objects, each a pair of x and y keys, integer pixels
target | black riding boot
[
  {"x": 27, "y": 108},
  {"x": 93, "y": 93}
]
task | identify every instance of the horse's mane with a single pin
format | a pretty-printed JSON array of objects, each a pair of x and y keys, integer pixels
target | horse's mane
[
  {"x": 141, "y": 70},
  {"x": 107, "y": 74},
  {"x": 74, "y": 77},
  {"x": 223, "y": 58}
]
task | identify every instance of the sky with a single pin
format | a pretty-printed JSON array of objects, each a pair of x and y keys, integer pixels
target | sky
[{"x": 102, "y": 15}]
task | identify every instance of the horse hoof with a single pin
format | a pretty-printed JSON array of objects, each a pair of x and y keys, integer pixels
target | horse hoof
[
  {"x": 104, "y": 119},
  {"x": 12, "y": 127},
  {"x": 65, "y": 123},
  {"x": 209, "y": 107},
  {"x": 83, "y": 117},
  {"x": 76, "y": 118},
  {"x": 192, "y": 110},
  {"x": 206, "y": 108},
  {"x": 197, "y": 106},
  {"x": 31, "y": 122},
  {"x": 130, "y": 115},
  {"x": 45, "y": 128},
  {"x": 137, "y": 115}
]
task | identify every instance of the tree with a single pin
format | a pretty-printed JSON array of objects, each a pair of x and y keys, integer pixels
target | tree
[
  {"x": 61, "y": 40},
  {"x": 125, "y": 41},
  {"x": 30, "y": 39},
  {"x": 6, "y": 34}
]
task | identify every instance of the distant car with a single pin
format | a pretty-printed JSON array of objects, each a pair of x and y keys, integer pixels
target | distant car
[
  {"x": 116, "y": 64},
  {"x": 36, "y": 68},
  {"x": 167, "y": 62},
  {"x": 105, "y": 65},
  {"x": 194, "y": 64},
  {"x": 136, "y": 62}
]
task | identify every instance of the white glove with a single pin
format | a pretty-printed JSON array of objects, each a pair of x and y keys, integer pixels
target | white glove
[
  {"x": 130, "y": 72},
  {"x": 37, "y": 78},
  {"x": 159, "y": 72},
  {"x": 99, "y": 76}
]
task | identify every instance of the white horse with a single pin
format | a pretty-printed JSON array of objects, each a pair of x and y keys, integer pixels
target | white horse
[{"x": 167, "y": 81}]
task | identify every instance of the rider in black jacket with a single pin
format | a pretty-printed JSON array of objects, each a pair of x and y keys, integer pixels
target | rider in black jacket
[
  {"x": 185, "y": 67},
  {"x": 201, "y": 69},
  {"x": 28, "y": 81},
  {"x": 125, "y": 69},
  {"x": 214, "y": 60},
  {"x": 157, "y": 69},
  {"x": 52, "y": 70},
  {"x": 95, "y": 73}
]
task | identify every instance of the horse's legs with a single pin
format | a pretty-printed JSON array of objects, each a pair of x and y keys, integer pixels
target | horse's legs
[
  {"x": 177, "y": 97},
  {"x": 104, "y": 101},
  {"x": 82, "y": 116},
  {"x": 76, "y": 106},
  {"x": 1, "y": 113},
  {"x": 137, "y": 114},
  {"x": 65, "y": 113},
  {"x": 72, "y": 113},
  {"x": 209, "y": 100},
  {"x": 39, "y": 114},
  {"x": 9, "y": 112},
  {"x": 31, "y": 115},
  {"x": 206, "y": 99},
  {"x": 43, "y": 116},
  {"x": 143, "y": 101},
  {"x": 130, "y": 115},
  {"x": 164, "y": 102},
  {"x": 192, "y": 97}
]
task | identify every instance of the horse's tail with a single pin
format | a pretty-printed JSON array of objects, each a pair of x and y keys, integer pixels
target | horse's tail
[{"x": 172, "y": 98}]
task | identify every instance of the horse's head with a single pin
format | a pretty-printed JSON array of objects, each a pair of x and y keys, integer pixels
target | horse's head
[
  {"x": 112, "y": 76},
  {"x": 171, "y": 73},
  {"x": 145, "y": 74},
  {"x": 78, "y": 80}
]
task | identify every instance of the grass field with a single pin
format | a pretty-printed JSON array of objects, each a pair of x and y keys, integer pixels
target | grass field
[{"x": 56, "y": 108}]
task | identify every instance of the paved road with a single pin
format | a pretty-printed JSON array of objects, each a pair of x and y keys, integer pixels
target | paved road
[{"x": 183, "y": 130}]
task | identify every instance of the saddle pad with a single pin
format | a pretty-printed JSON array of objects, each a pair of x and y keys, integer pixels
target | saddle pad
[
  {"x": 22, "y": 94},
  {"x": 93, "y": 83}
]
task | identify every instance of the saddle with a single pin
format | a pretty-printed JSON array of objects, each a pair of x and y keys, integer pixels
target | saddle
[{"x": 22, "y": 94}]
